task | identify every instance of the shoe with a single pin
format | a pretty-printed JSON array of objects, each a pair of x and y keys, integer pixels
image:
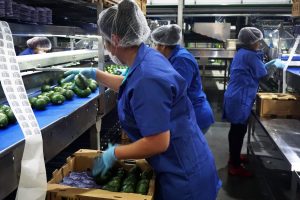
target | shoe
[
  {"x": 239, "y": 171},
  {"x": 243, "y": 158}
]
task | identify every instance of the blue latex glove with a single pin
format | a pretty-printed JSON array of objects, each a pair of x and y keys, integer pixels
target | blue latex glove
[
  {"x": 121, "y": 71},
  {"x": 105, "y": 162},
  {"x": 275, "y": 63},
  {"x": 87, "y": 72}
]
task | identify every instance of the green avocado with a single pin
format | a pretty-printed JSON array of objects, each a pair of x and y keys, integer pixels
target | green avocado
[
  {"x": 46, "y": 98},
  {"x": 81, "y": 82},
  {"x": 45, "y": 88},
  {"x": 40, "y": 104},
  {"x": 4, "y": 108},
  {"x": 93, "y": 87},
  {"x": 3, "y": 120},
  {"x": 57, "y": 99},
  {"x": 11, "y": 117},
  {"x": 142, "y": 186},
  {"x": 147, "y": 174},
  {"x": 82, "y": 93},
  {"x": 32, "y": 101},
  {"x": 128, "y": 188},
  {"x": 69, "y": 94}
]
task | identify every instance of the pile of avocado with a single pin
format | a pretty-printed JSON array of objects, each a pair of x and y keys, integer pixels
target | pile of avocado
[
  {"x": 112, "y": 69},
  {"x": 119, "y": 180},
  {"x": 6, "y": 116},
  {"x": 81, "y": 86}
]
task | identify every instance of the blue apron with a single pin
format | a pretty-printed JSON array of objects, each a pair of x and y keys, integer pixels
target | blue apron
[
  {"x": 152, "y": 99},
  {"x": 187, "y": 66},
  {"x": 246, "y": 70}
]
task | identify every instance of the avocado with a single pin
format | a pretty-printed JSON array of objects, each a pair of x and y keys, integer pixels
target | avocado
[
  {"x": 147, "y": 174},
  {"x": 11, "y": 117},
  {"x": 128, "y": 188},
  {"x": 32, "y": 101},
  {"x": 58, "y": 89},
  {"x": 93, "y": 87},
  {"x": 57, "y": 99},
  {"x": 4, "y": 108},
  {"x": 68, "y": 94},
  {"x": 3, "y": 120},
  {"x": 45, "y": 88},
  {"x": 40, "y": 104},
  {"x": 101, "y": 180},
  {"x": 142, "y": 187},
  {"x": 82, "y": 93},
  {"x": 81, "y": 82},
  {"x": 46, "y": 98}
]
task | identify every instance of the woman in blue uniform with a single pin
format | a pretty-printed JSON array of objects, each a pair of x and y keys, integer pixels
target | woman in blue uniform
[
  {"x": 166, "y": 39},
  {"x": 246, "y": 70},
  {"x": 154, "y": 110},
  {"x": 37, "y": 45}
]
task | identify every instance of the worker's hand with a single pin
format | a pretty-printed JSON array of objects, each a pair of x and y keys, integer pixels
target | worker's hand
[
  {"x": 275, "y": 63},
  {"x": 272, "y": 67},
  {"x": 105, "y": 162},
  {"x": 87, "y": 72}
]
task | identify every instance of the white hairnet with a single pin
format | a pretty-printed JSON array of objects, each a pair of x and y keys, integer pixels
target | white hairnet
[
  {"x": 39, "y": 42},
  {"x": 250, "y": 35},
  {"x": 167, "y": 35},
  {"x": 127, "y": 21}
]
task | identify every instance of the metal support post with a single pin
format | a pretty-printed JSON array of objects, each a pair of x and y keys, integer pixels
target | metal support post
[
  {"x": 102, "y": 89},
  {"x": 180, "y": 17}
]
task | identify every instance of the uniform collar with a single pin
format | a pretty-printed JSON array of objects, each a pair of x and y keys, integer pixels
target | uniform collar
[
  {"x": 174, "y": 52},
  {"x": 142, "y": 51}
]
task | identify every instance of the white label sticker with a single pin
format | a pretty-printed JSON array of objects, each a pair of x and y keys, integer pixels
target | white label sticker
[{"x": 33, "y": 183}]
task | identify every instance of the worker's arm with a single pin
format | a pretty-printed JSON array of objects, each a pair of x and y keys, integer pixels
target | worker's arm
[
  {"x": 109, "y": 80},
  {"x": 145, "y": 147}
]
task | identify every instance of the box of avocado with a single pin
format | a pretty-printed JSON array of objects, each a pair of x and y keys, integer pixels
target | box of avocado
[
  {"x": 132, "y": 180},
  {"x": 278, "y": 105}
]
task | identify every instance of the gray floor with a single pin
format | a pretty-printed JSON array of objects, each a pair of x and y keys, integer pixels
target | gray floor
[{"x": 233, "y": 188}]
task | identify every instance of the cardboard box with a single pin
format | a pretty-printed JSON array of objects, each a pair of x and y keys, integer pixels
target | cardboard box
[
  {"x": 82, "y": 161},
  {"x": 142, "y": 4},
  {"x": 278, "y": 105},
  {"x": 296, "y": 8}
]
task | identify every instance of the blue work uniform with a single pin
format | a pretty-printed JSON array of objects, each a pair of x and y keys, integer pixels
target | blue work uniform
[
  {"x": 152, "y": 99},
  {"x": 187, "y": 66},
  {"x": 246, "y": 70},
  {"x": 28, "y": 51}
]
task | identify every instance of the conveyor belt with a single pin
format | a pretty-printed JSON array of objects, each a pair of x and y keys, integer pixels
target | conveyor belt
[
  {"x": 13, "y": 135},
  {"x": 295, "y": 71}
]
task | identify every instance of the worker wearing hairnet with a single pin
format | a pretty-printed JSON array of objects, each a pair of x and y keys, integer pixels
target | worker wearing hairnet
[
  {"x": 154, "y": 110},
  {"x": 166, "y": 39},
  {"x": 37, "y": 45},
  {"x": 246, "y": 70}
]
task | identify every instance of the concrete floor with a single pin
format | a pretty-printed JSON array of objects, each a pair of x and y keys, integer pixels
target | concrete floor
[{"x": 233, "y": 188}]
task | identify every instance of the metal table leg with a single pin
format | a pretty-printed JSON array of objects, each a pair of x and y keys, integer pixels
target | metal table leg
[{"x": 294, "y": 183}]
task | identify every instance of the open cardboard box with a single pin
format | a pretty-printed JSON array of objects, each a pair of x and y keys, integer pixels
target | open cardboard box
[
  {"x": 82, "y": 160},
  {"x": 278, "y": 105}
]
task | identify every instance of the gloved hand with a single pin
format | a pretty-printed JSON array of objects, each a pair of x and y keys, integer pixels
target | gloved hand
[
  {"x": 122, "y": 72},
  {"x": 105, "y": 162},
  {"x": 87, "y": 72},
  {"x": 272, "y": 67},
  {"x": 276, "y": 63}
]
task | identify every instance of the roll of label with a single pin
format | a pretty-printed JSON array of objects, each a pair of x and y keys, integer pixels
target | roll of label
[{"x": 33, "y": 182}]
